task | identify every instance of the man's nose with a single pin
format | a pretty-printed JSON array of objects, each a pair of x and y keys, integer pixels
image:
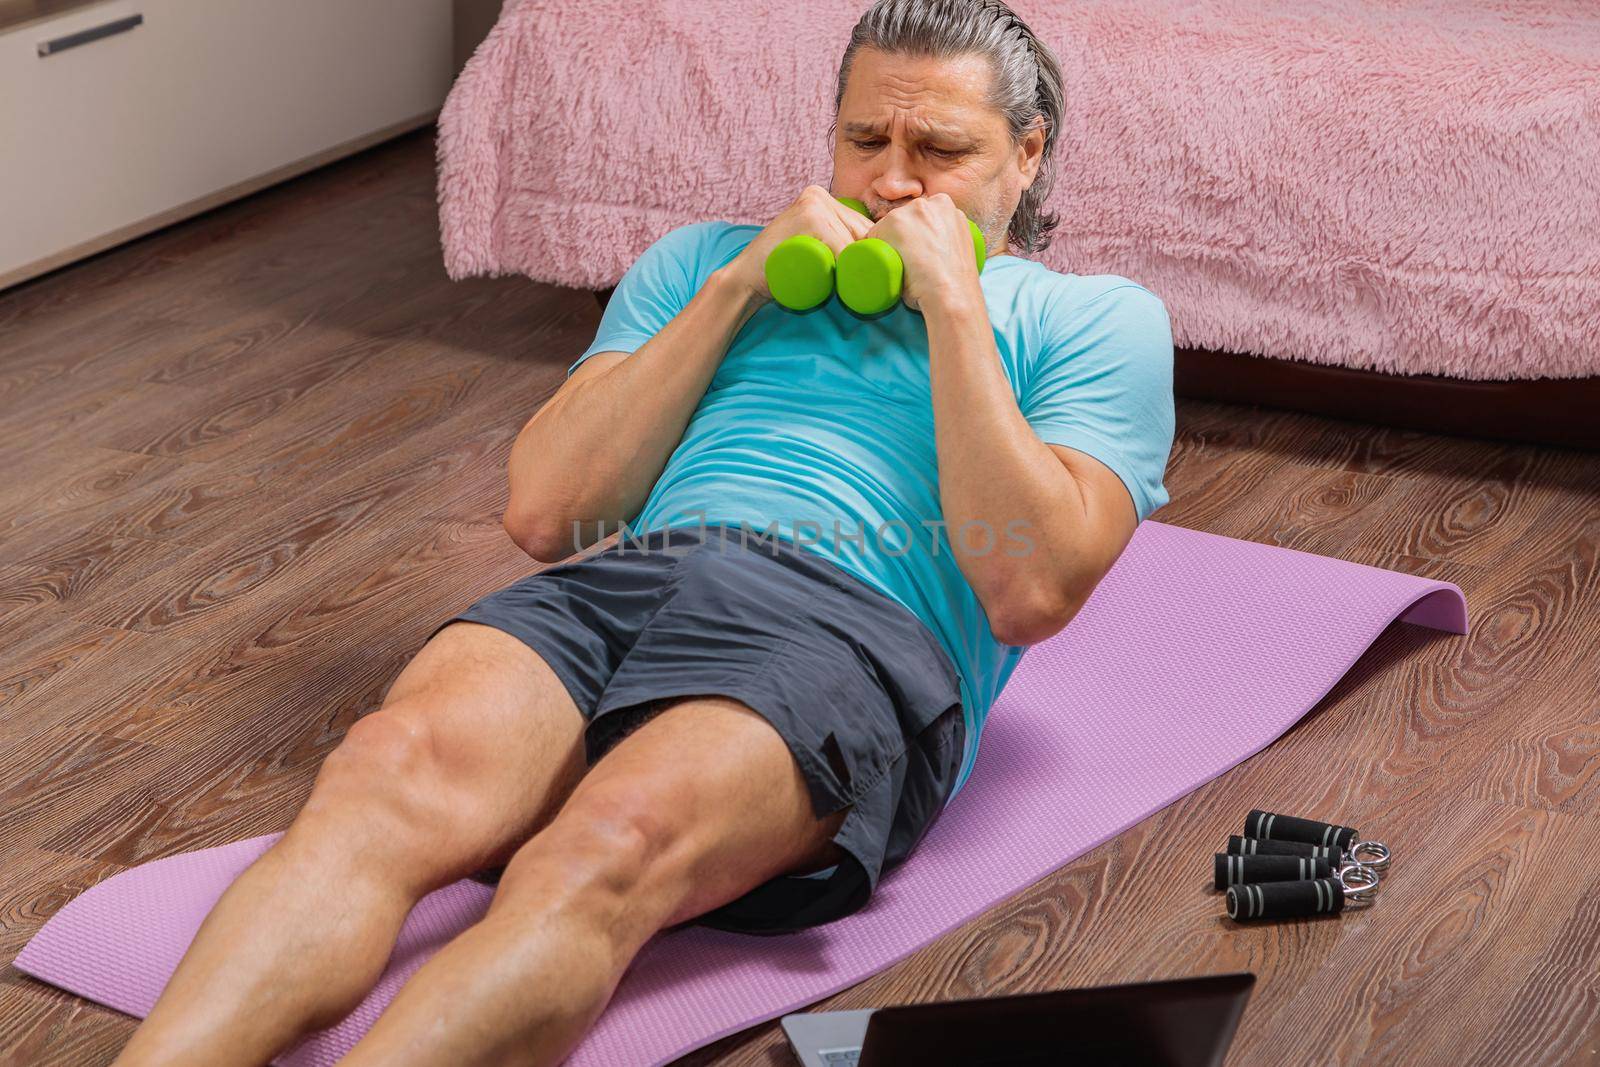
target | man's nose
[{"x": 897, "y": 181}]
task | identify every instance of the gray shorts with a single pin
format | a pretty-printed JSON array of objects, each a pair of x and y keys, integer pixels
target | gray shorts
[{"x": 860, "y": 690}]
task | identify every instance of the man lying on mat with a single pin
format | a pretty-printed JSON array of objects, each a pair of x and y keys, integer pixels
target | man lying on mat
[{"x": 843, "y": 531}]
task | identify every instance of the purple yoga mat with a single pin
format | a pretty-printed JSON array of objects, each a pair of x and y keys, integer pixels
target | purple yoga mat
[{"x": 1194, "y": 653}]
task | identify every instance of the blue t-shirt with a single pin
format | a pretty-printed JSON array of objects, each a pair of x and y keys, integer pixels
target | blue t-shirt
[{"x": 819, "y": 426}]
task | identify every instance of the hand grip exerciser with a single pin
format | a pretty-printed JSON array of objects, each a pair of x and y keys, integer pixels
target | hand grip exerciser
[
  {"x": 1254, "y": 846},
  {"x": 1241, "y": 870},
  {"x": 868, "y": 274},
  {"x": 1352, "y": 886},
  {"x": 1266, "y": 826}
]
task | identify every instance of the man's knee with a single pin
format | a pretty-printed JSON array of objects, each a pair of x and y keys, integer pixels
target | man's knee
[
  {"x": 632, "y": 850},
  {"x": 387, "y": 749},
  {"x": 605, "y": 842},
  {"x": 382, "y": 785}
]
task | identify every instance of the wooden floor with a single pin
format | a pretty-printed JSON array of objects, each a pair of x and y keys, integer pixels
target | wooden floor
[
  {"x": 17, "y": 13},
  {"x": 252, "y": 460}
]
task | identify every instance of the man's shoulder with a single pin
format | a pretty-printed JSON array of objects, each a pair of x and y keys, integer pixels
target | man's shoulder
[
  {"x": 1096, "y": 317},
  {"x": 1074, "y": 302},
  {"x": 715, "y": 241},
  {"x": 692, "y": 251},
  {"x": 1069, "y": 291}
]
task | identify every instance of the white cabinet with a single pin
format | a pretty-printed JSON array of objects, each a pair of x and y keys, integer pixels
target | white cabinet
[{"x": 199, "y": 102}]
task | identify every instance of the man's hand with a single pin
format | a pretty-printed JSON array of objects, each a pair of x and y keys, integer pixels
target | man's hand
[
  {"x": 813, "y": 212},
  {"x": 935, "y": 243}
]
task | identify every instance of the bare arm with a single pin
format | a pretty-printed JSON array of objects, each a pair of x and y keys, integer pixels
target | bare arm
[
  {"x": 597, "y": 448},
  {"x": 999, "y": 484},
  {"x": 1072, "y": 510},
  {"x": 593, "y": 452}
]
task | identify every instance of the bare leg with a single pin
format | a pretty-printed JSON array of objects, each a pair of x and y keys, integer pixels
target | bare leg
[
  {"x": 476, "y": 748},
  {"x": 524, "y": 985},
  {"x": 699, "y": 805},
  {"x": 274, "y": 960}
]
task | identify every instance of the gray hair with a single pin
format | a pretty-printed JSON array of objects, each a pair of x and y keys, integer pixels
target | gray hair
[{"x": 1026, "y": 88}]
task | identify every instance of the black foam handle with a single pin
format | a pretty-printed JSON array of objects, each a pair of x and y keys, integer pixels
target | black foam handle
[
  {"x": 1236, "y": 870},
  {"x": 1285, "y": 900},
  {"x": 1255, "y": 846},
  {"x": 1267, "y": 825}
]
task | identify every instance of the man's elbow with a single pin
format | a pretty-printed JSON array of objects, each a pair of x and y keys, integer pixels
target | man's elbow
[
  {"x": 1036, "y": 618},
  {"x": 544, "y": 542}
]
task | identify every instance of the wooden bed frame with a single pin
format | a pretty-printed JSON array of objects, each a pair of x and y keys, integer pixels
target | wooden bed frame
[{"x": 1563, "y": 412}]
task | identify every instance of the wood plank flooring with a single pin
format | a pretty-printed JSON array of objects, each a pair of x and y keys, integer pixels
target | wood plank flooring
[
  {"x": 253, "y": 459},
  {"x": 18, "y": 13}
]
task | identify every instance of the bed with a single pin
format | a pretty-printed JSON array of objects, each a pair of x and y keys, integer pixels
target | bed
[{"x": 1387, "y": 210}]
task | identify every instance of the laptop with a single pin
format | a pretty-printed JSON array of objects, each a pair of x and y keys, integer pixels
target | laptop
[{"x": 1186, "y": 1022}]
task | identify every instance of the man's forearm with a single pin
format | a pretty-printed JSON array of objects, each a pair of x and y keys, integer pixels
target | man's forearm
[
  {"x": 996, "y": 475},
  {"x": 595, "y": 450}
]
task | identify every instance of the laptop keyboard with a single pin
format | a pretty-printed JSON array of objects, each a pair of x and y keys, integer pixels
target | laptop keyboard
[{"x": 840, "y": 1057}]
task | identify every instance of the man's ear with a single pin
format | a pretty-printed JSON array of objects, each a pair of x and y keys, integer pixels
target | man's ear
[{"x": 1030, "y": 153}]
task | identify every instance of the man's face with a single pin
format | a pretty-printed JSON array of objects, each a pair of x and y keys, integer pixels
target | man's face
[{"x": 913, "y": 126}]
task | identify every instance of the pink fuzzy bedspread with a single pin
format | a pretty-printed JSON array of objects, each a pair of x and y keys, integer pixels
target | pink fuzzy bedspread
[{"x": 1409, "y": 186}]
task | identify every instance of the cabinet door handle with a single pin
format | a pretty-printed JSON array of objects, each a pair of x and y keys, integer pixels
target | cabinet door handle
[{"x": 73, "y": 40}]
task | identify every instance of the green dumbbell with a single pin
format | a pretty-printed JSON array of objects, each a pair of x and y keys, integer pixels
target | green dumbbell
[
  {"x": 800, "y": 270},
  {"x": 870, "y": 273}
]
